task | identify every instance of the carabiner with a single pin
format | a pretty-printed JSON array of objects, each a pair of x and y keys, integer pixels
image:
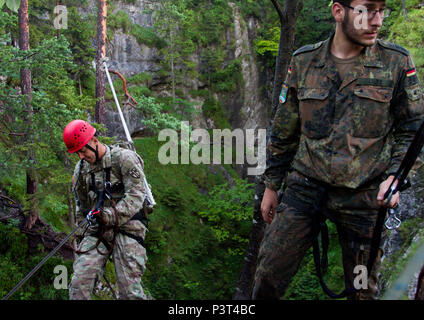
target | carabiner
[{"x": 392, "y": 222}]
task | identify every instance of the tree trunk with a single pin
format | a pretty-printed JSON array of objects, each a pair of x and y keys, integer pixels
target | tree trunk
[
  {"x": 288, "y": 18},
  {"x": 405, "y": 14},
  {"x": 172, "y": 69},
  {"x": 57, "y": 14},
  {"x": 79, "y": 85},
  {"x": 31, "y": 175},
  {"x": 101, "y": 53}
]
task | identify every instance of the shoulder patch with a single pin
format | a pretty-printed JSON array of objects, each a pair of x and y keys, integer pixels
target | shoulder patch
[
  {"x": 135, "y": 173},
  {"x": 393, "y": 46},
  {"x": 308, "y": 48}
]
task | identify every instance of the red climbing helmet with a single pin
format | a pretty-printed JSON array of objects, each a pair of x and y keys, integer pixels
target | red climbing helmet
[{"x": 77, "y": 134}]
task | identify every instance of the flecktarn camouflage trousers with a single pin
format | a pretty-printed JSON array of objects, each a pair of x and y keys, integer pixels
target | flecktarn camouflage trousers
[
  {"x": 289, "y": 236},
  {"x": 129, "y": 258}
]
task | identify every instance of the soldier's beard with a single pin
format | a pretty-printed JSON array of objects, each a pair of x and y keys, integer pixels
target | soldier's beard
[{"x": 353, "y": 34}]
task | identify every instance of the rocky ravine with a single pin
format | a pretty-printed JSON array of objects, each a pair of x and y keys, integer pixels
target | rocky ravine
[{"x": 247, "y": 107}]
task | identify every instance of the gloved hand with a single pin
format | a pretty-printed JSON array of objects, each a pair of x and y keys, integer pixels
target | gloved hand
[
  {"x": 108, "y": 217},
  {"x": 92, "y": 216}
]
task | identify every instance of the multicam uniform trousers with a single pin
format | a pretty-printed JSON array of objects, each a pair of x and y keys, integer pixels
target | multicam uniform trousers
[{"x": 129, "y": 258}]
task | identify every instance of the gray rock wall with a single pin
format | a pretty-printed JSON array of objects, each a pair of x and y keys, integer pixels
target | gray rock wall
[{"x": 246, "y": 107}]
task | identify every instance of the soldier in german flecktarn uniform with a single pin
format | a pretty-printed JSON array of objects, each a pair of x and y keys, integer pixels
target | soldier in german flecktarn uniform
[
  {"x": 348, "y": 111},
  {"x": 109, "y": 191}
]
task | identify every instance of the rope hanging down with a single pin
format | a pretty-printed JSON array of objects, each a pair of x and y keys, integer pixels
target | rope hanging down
[{"x": 150, "y": 201}]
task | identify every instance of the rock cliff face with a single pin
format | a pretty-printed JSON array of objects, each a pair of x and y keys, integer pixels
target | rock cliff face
[
  {"x": 250, "y": 107},
  {"x": 126, "y": 54},
  {"x": 246, "y": 107},
  {"x": 399, "y": 241}
]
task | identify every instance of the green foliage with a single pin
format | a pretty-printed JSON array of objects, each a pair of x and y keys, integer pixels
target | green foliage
[
  {"x": 315, "y": 23},
  {"x": 253, "y": 8},
  {"x": 141, "y": 79},
  {"x": 229, "y": 211},
  {"x": 79, "y": 34},
  {"x": 407, "y": 33},
  {"x": 55, "y": 103},
  {"x": 118, "y": 20},
  {"x": 189, "y": 27},
  {"x": 15, "y": 264},
  {"x": 147, "y": 36},
  {"x": 392, "y": 266},
  {"x": 227, "y": 79},
  {"x": 179, "y": 243},
  {"x": 265, "y": 46},
  {"x": 11, "y": 4},
  {"x": 305, "y": 284},
  {"x": 213, "y": 109},
  {"x": 155, "y": 116}
]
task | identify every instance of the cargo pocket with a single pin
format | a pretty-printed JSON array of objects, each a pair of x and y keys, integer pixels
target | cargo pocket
[
  {"x": 371, "y": 112},
  {"x": 316, "y": 112}
]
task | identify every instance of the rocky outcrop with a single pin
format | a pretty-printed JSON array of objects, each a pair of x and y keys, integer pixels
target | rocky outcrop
[
  {"x": 246, "y": 107},
  {"x": 398, "y": 241},
  {"x": 252, "y": 105}
]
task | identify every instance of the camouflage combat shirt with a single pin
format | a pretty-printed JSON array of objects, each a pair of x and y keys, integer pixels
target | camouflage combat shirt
[
  {"x": 128, "y": 192},
  {"x": 344, "y": 132}
]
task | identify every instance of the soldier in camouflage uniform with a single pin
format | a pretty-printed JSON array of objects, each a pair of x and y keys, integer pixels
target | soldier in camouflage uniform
[
  {"x": 348, "y": 110},
  {"x": 118, "y": 223}
]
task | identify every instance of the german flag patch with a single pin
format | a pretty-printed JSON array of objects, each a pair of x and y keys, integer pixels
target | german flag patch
[
  {"x": 411, "y": 77},
  {"x": 411, "y": 72}
]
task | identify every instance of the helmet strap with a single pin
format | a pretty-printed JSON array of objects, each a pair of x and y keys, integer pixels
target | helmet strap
[{"x": 96, "y": 151}]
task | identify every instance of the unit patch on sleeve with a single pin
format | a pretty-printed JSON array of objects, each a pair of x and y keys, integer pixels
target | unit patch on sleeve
[
  {"x": 283, "y": 94},
  {"x": 135, "y": 173}
]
